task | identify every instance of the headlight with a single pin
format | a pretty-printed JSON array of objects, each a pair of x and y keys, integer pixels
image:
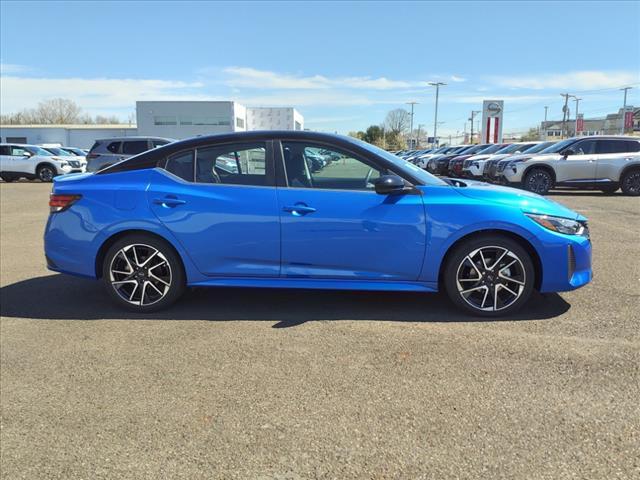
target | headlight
[
  {"x": 561, "y": 225},
  {"x": 63, "y": 164}
]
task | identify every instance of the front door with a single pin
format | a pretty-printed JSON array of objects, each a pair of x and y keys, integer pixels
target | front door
[
  {"x": 220, "y": 203},
  {"x": 580, "y": 166},
  {"x": 334, "y": 224}
]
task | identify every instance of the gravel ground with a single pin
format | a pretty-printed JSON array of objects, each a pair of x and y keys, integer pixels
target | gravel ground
[{"x": 262, "y": 384}]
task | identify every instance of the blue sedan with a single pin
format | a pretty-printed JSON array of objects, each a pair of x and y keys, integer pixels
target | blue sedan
[{"x": 307, "y": 210}]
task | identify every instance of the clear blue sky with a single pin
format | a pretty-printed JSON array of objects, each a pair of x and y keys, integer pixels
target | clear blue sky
[{"x": 343, "y": 65}]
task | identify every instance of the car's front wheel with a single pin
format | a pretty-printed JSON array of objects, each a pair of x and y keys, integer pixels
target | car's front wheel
[
  {"x": 46, "y": 173},
  {"x": 489, "y": 276},
  {"x": 631, "y": 183},
  {"x": 538, "y": 180},
  {"x": 143, "y": 273}
]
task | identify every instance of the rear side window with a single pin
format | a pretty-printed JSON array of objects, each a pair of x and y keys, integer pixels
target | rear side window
[
  {"x": 181, "y": 165},
  {"x": 135, "y": 147},
  {"x": 114, "y": 147},
  {"x": 618, "y": 146},
  {"x": 240, "y": 164},
  {"x": 4, "y": 150}
]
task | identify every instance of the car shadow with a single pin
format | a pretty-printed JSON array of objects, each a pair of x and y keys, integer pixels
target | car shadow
[
  {"x": 62, "y": 297},
  {"x": 583, "y": 193}
]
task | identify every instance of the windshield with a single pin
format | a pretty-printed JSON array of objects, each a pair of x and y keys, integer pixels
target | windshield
[
  {"x": 558, "y": 147},
  {"x": 425, "y": 177},
  {"x": 511, "y": 148},
  {"x": 539, "y": 147},
  {"x": 38, "y": 151},
  {"x": 476, "y": 148},
  {"x": 59, "y": 152},
  {"x": 74, "y": 151},
  {"x": 492, "y": 149}
]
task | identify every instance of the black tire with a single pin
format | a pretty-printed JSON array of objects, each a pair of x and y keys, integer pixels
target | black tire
[
  {"x": 609, "y": 190},
  {"x": 630, "y": 183},
  {"x": 465, "y": 261},
  {"x": 538, "y": 180},
  {"x": 134, "y": 276},
  {"x": 46, "y": 173}
]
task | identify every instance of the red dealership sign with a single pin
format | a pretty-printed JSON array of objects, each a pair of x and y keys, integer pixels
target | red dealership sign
[
  {"x": 628, "y": 120},
  {"x": 580, "y": 124}
]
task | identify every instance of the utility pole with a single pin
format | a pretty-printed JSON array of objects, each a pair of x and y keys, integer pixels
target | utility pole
[
  {"x": 435, "y": 121},
  {"x": 418, "y": 134},
  {"x": 624, "y": 108},
  {"x": 543, "y": 130},
  {"x": 411, "y": 126},
  {"x": 473, "y": 114},
  {"x": 564, "y": 113},
  {"x": 577, "y": 100}
]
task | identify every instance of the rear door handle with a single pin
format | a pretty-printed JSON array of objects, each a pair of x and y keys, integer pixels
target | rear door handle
[
  {"x": 299, "y": 209},
  {"x": 170, "y": 201}
]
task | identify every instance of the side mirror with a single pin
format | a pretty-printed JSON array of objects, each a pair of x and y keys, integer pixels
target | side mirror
[
  {"x": 388, "y": 184},
  {"x": 566, "y": 152},
  {"x": 26, "y": 154}
]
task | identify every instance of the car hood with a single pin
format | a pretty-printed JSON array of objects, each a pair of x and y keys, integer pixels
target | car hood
[{"x": 526, "y": 201}]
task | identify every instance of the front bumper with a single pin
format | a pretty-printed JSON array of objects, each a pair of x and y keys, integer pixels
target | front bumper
[{"x": 566, "y": 263}]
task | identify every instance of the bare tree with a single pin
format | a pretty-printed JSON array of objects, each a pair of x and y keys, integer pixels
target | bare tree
[
  {"x": 57, "y": 111},
  {"x": 397, "y": 121}
]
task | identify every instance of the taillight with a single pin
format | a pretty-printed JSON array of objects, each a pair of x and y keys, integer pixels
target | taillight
[{"x": 60, "y": 202}]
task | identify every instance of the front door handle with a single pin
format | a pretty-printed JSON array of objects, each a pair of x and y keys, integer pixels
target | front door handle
[
  {"x": 170, "y": 201},
  {"x": 299, "y": 209}
]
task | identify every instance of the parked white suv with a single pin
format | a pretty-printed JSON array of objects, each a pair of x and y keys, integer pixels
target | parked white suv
[
  {"x": 598, "y": 162},
  {"x": 31, "y": 161}
]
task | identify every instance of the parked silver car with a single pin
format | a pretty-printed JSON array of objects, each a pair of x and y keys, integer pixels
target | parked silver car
[
  {"x": 603, "y": 163},
  {"x": 108, "y": 151}
]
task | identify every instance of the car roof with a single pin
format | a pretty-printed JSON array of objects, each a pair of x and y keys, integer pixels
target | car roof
[{"x": 132, "y": 137}]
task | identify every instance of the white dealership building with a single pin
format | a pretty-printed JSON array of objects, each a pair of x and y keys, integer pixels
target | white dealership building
[{"x": 170, "y": 119}]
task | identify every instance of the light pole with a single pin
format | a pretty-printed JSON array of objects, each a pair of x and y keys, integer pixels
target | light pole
[
  {"x": 435, "y": 121},
  {"x": 411, "y": 125},
  {"x": 624, "y": 108}
]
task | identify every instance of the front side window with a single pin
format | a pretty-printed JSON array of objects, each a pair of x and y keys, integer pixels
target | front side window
[
  {"x": 310, "y": 166},
  {"x": 585, "y": 147},
  {"x": 135, "y": 147},
  {"x": 19, "y": 151},
  {"x": 238, "y": 164}
]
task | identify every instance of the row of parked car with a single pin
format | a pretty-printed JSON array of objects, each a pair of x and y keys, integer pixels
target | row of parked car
[
  {"x": 605, "y": 163},
  {"x": 44, "y": 162}
]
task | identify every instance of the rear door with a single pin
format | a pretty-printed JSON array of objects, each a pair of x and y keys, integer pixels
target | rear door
[
  {"x": 581, "y": 165},
  {"x": 610, "y": 157},
  {"x": 335, "y": 226},
  {"x": 220, "y": 203},
  {"x": 4, "y": 158}
]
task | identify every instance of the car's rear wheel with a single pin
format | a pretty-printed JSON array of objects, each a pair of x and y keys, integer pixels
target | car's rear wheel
[
  {"x": 630, "y": 183},
  {"x": 489, "y": 276},
  {"x": 539, "y": 181},
  {"x": 46, "y": 173},
  {"x": 143, "y": 273}
]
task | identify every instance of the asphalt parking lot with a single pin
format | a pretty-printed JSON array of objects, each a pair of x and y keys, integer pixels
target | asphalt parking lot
[{"x": 306, "y": 384}]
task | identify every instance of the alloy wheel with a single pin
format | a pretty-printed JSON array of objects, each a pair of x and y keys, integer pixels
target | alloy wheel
[
  {"x": 46, "y": 174},
  {"x": 632, "y": 183},
  {"x": 491, "y": 278},
  {"x": 539, "y": 182},
  {"x": 140, "y": 274}
]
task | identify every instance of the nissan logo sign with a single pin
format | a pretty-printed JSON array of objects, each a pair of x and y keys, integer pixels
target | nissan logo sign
[{"x": 493, "y": 107}]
